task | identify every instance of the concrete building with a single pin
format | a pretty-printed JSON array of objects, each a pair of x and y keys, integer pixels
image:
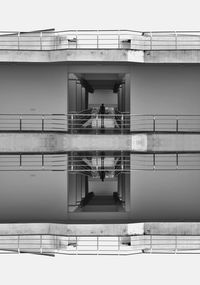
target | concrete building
[{"x": 81, "y": 177}]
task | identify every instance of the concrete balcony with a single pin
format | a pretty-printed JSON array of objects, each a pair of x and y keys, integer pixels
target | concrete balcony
[{"x": 100, "y": 46}]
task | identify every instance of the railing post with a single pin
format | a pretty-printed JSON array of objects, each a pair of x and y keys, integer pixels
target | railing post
[
  {"x": 154, "y": 124},
  {"x": 42, "y": 160},
  {"x": 118, "y": 245},
  {"x": 72, "y": 161},
  {"x": 20, "y": 123},
  {"x": 72, "y": 123},
  {"x": 122, "y": 161},
  {"x": 41, "y": 251},
  {"x": 154, "y": 161},
  {"x": 176, "y": 160},
  {"x": 18, "y": 40},
  {"x": 176, "y": 42},
  {"x": 118, "y": 40},
  {"x": 97, "y": 244},
  {"x": 42, "y": 123},
  {"x": 151, "y": 244},
  {"x": 97, "y": 162},
  {"x": 20, "y": 160},
  {"x": 177, "y": 124},
  {"x": 18, "y": 245},
  {"x": 151, "y": 41},
  {"x": 122, "y": 124},
  {"x": 97, "y": 118},
  {"x": 97, "y": 41},
  {"x": 76, "y": 41},
  {"x": 176, "y": 243},
  {"x": 41, "y": 41},
  {"x": 76, "y": 245}
]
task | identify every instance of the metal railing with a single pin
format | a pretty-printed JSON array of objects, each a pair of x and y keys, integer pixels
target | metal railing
[
  {"x": 99, "y": 245},
  {"x": 124, "y": 123},
  {"x": 89, "y": 163},
  {"x": 168, "y": 161},
  {"x": 33, "y": 122},
  {"x": 125, "y": 163},
  {"x": 33, "y": 162},
  {"x": 85, "y": 164},
  {"x": 98, "y": 123},
  {"x": 100, "y": 39}
]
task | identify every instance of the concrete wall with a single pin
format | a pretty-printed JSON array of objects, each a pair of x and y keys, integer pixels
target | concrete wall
[
  {"x": 77, "y": 96},
  {"x": 168, "y": 196},
  {"x": 165, "y": 89},
  {"x": 33, "y": 196},
  {"x": 103, "y": 96},
  {"x": 33, "y": 88}
]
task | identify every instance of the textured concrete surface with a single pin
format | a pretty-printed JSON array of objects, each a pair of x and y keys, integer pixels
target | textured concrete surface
[
  {"x": 173, "y": 142},
  {"x": 73, "y": 55},
  {"x": 102, "y": 55},
  {"x": 172, "y": 56},
  {"x": 30, "y": 142},
  {"x": 46, "y": 142},
  {"x": 101, "y": 229},
  {"x": 172, "y": 228},
  {"x": 71, "y": 230}
]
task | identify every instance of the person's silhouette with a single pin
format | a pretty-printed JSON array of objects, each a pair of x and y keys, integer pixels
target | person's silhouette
[{"x": 102, "y": 109}]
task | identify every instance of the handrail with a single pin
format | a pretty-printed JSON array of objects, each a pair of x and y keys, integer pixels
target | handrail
[
  {"x": 100, "y": 245},
  {"x": 99, "y": 39},
  {"x": 121, "y": 163},
  {"x": 94, "y": 122}
]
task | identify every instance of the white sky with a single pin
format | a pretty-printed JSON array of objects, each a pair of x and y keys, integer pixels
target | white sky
[
  {"x": 102, "y": 14},
  {"x": 105, "y": 14}
]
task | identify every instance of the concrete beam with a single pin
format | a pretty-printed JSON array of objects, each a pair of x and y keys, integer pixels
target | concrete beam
[
  {"x": 73, "y": 55},
  {"x": 172, "y": 229},
  {"x": 132, "y": 229},
  {"x": 45, "y": 142},
  {"x": 54, "y": 143},
  {"x": 173, "y": 143},
  {"x": 101, "y": 55},
  {"x": 72, "y": 229},
  {"x": 172, "y": 56}
]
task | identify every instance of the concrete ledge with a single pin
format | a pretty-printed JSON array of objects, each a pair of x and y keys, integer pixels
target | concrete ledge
[
  {"x": 101, "y": 55},
  {"x": 172, "y": 56},
  {"x": 172, "y": 229},
  {"x": 73, "y": 55},
  {"x": 55, "y": 143},
  {"x": 132, "y": 229},
  {"x": 72, "y": 230}
]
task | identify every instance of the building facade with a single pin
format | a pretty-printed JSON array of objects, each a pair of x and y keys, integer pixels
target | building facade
[{"x": 99, "y": 142}]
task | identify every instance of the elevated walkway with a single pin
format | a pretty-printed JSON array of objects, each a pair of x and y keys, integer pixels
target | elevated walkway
[
  {"x": 110, "y": 239},
  {"x": 62, "y": 143},
  {"x": 100, "y": 46}
]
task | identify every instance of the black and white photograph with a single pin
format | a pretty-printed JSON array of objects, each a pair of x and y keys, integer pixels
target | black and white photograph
[{"x": 99, "y": 142}]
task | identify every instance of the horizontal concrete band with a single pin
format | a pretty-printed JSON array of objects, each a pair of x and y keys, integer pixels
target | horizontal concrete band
[
  {"x": 102, "y": 55},
  {"x": 183, "y": 229},
  {"x": 37, "y": 142},
  {"x": 73, "y": 55},
  {"x": 57, "y": 143},
  {"x": 72, "y": 229}
]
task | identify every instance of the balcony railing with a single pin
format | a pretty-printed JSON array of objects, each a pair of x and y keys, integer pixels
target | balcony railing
[
  {"x": 91, "y": 165},
  {"x": 126, "y": 163},
  {"x": 98, "y": 123},
  {"x": 99, "y": 245},
  {"x": 33, "y": 122},
  {"x": 100, "y": 39},
  {"x": 33, "y": 162}
]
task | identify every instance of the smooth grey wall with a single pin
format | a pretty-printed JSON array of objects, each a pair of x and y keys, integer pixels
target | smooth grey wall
[
  {"x": 33, "y": 88},
  {"x": 33, "y": 196},
  {"x": 165, "y": 195},
  {"x": 165, "y": 89}
]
